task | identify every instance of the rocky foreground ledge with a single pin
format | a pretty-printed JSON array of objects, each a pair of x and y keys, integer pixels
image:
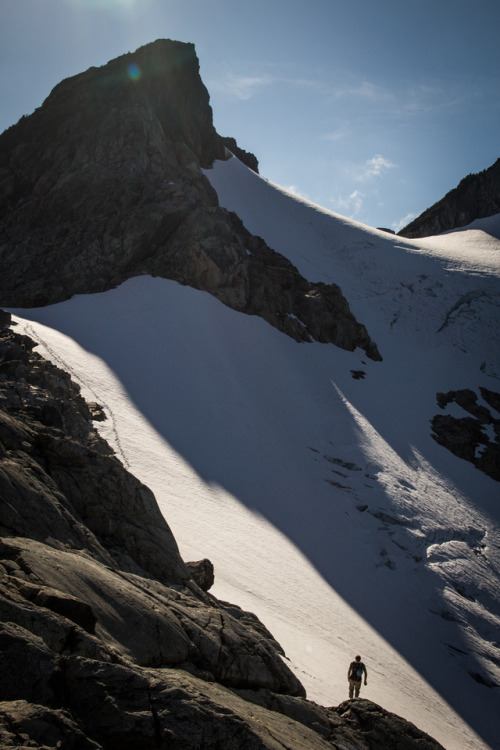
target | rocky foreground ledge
[{"x": 107, "y": 638}]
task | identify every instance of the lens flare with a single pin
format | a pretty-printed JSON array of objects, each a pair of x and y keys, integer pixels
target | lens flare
[{"x": 134, "y": 71}]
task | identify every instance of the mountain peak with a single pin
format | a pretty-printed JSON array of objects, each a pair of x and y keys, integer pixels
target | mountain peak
[
  {"x": 163, "y": 77},
  {"x": 105, "y": 182}
]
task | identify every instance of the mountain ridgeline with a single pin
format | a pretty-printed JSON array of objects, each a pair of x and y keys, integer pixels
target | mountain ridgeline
[
  {"x": 104, "y": 182},
  {"x": 475, "y": 197}
]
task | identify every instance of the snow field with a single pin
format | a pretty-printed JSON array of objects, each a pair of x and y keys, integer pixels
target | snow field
[{"x": 322, "y": 500}]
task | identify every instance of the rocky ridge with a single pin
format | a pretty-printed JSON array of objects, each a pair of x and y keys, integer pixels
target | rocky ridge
[
  {"x": 107, "y": 639},
  {"x": 105, "y": 182},
  {"x": 475, "y": 197}
]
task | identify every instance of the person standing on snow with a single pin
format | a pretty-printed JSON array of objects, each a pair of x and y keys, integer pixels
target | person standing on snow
[{"x": 355, "y": 675}]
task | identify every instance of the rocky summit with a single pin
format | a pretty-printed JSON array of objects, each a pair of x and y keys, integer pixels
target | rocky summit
[
  {"x": 105, "y": 182},
  {"x": 108, "y": 639}
]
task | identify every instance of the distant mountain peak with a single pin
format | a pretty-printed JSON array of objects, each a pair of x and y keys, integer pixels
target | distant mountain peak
[{"x": 475, "y": 197}]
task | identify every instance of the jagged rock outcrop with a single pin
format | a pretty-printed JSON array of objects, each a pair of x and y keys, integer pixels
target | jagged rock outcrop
[
  {"x": 213, "y": 251},
  {"x": 106, "y": 640},
  {"x": 475, "y": 438},
  {"x": 104, "y": 182},
  {"x": 244, "y": 156},
  {"x": 475, "y": 197}
]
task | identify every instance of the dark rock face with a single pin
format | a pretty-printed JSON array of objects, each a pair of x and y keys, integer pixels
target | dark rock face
[
  {"x": 104, "y": 182},
  {"x": 245, "y": 156},
  {"x": 213, "y": 251},
  {"x": 467, "y": 436},
  {"x": 475, "y": 197},
  {"x": 99, "y": 168},
  {"x": 106, "y": 640}
]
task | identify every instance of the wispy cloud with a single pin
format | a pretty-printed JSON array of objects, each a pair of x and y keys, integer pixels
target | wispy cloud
[
  {"x": 424, "y": 99},
  {"x": 397, "y": 226},
  {"x": 350, "y": 206},
  {"x": 296, "y": 191},
  {"x": 363, "y": 90},
  {"x": 374, "y": 167},
  {"x": 336, "y": 135},
  {"x": 242, "y": 87}
]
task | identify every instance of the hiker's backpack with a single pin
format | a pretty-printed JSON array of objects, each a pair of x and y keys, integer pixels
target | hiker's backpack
[{"x": 357, "y": 672}]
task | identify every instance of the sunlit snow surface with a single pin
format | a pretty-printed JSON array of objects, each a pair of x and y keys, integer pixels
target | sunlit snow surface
[{"x": 322, "y": 500}]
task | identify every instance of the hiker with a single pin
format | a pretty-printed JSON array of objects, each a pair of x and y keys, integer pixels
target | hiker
[{"x": 354, "y": 675}]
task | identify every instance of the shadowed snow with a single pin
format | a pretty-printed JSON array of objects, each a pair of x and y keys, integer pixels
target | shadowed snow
[{"x": 321, "y": 498}]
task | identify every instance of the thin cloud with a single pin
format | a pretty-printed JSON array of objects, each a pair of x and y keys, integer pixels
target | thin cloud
[
  {"x": 296, "y": 191},
  {"x": 350, "y": 206},
  {"x": 242, "y": 87},
  {"x": 245, "y": 86},
  {"x": 337, "y": 134},
  {"x": 403, "y": 222},
  {"x": 364, "y": 90},
  {"x": 424, "y": 99},
  {"x": 375, "y": 167}
]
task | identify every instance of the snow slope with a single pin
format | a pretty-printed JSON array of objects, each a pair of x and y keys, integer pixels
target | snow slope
[{"x": 323, "y": 501}]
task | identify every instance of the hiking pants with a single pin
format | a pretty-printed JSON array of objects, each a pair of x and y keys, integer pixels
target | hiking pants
[{"x": 354, "y": 688}]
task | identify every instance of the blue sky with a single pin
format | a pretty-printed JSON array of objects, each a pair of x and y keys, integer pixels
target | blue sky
[{"x": 372, "y": 108}]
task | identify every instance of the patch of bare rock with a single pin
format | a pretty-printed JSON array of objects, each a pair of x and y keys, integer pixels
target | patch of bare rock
[
  {"x": 474, "y": 437},
  {"x": 108, "y": 639}
]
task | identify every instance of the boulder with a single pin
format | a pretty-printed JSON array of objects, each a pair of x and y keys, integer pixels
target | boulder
[{"x": 202, "y": 573}]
